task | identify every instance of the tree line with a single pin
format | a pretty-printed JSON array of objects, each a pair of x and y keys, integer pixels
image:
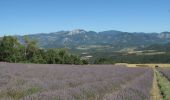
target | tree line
[
  {"x": 12, "y": 50},
  {"x": 134, "y": 58}
]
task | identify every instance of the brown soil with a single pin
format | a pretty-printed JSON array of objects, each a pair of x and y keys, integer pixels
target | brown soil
[{"x": 155, "y": 92}]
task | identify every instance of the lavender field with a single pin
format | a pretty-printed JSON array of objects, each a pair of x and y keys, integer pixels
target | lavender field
[
  {"x": 165, "y": 71},
  {"x": 74, "y": 82}
]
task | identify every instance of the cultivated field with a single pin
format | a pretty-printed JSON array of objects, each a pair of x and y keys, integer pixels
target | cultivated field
[
  {"x": 165, "y": 71},
  {"x": 74, "y": 82},
  {"x": 163, "y": 78}
]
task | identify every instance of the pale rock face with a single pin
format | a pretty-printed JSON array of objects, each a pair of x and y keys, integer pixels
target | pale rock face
[
  {"x": 76, "y": 31},
  {"x": 164, "y": 35}
]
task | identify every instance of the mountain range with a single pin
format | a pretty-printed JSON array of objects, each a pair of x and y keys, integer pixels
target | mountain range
[{"x": 80, "y": 39}]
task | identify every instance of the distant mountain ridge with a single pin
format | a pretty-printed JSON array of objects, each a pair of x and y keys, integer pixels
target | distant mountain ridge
[{"x": 116, "y": 40}]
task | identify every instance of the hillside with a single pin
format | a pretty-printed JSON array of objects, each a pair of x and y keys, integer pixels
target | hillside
[
  {"x": 158, "y": 47},
  {"x": 90, "y": 40}
]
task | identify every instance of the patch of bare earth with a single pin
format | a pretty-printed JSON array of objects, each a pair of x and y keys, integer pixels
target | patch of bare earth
[{"x": 155, "y": 92}]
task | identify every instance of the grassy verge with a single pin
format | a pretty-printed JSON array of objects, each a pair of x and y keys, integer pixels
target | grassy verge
[
  {"x": 17, "y": 94},
  {"x": 164, "y": 85},
  {"x": 155, "y": 92},
  {"x": 18, "y": 91}
]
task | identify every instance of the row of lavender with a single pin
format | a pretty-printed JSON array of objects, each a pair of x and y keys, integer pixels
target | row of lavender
[
  {"x": 165, "y": 71},
  {"x": 138, "y": 89},
  {"x": 70, "y": 82}
]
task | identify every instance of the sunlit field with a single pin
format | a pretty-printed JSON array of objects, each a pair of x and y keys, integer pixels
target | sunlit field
[
  {"x": 74, "y": 82},
  {"x": 163, "y": 78},
  {"x": 165, "y": 71},
  {"x": 152, "y": 65}
]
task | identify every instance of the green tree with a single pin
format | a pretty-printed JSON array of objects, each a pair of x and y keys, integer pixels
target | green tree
[
  {"x": 31, "y": 48},
  {"x": 52, "y": 56},
  {"x": 10, "y": 49}
]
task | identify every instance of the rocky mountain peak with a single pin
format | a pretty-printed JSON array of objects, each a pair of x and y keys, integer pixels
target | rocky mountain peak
[
  {"x": 165, "y": 35},
  {"x": 76, "y": 31}
]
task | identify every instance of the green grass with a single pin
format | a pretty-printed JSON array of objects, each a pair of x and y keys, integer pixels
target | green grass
[
  {"x": 164, "y": 85},
  {"x": 17, "y": 94}
]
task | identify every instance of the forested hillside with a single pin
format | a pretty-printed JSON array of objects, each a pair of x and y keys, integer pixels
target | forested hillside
[
  {"x": 88, "y": 40},
  {"x": 158, "y": 47},
  {"x": 95, "y": 47}
]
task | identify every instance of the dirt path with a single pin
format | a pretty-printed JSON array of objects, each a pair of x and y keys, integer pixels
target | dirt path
[{"x": 155, "y": 92}]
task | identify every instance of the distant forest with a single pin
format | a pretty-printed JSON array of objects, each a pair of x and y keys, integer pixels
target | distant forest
[
  {"x": 12, "y": 50},
  {"x": 133, "y": 58}
]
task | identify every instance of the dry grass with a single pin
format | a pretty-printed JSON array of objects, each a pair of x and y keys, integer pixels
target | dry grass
[
  {"x": 143, "y": 65},
  {"x": 155, "y": 92}
]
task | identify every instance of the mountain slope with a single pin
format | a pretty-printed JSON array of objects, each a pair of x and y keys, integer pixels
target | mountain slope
[
  {"x": 114, "y": 40},
  {"x": 158, "y": 47}
]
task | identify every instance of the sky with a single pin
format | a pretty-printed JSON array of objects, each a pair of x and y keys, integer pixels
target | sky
[{"x": 19, "y": 17}]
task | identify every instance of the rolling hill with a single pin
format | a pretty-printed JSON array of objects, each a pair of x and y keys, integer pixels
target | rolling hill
[{"x": 90, "y": 40}]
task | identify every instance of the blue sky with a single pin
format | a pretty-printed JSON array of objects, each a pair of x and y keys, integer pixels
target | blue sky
[{"x": 35, "y": 16}]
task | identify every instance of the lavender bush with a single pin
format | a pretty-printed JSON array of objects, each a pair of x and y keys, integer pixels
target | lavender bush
[
  {"x": 74, "y": 82},
  {"x": 165, "y": 71}
]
